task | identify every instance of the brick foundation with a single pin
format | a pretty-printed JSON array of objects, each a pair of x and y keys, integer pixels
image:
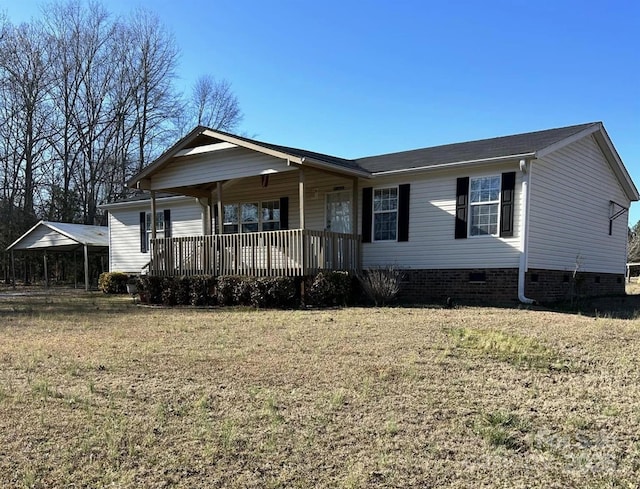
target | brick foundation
[
  {"x": 557, "y": 285},
  {"x": 501, "y": 285}
]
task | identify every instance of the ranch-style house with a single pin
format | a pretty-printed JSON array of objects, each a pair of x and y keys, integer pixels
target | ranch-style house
[{"x": 528, "y": 216}]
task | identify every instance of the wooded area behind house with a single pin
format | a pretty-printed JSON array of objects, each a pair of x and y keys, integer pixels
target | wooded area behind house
[{"x": 87, "y": 99}]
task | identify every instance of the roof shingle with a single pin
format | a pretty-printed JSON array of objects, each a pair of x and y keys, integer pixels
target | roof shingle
[{"x": 470, "y": 151}]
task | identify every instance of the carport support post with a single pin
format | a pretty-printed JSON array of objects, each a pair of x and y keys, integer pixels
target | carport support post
[
  {"x": 13, "y": 268},
  {"x": 46, "y": 272},
  {"x": 86, "y": 268}
]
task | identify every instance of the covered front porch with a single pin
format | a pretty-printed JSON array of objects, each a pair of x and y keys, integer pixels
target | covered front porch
[
  {"x": 294, "y": 252},
  {"x": 266, "y": 211}
]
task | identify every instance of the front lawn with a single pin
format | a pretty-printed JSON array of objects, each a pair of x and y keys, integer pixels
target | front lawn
[{"x": 96, "y": 392}]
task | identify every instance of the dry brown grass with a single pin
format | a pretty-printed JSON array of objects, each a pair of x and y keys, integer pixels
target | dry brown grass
[{"x": 96, "y": 392}]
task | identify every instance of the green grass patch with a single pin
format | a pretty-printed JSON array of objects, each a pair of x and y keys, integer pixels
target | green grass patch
[
  {"x": 518, "y": 350},
  {"x": 503, "y": 429}
]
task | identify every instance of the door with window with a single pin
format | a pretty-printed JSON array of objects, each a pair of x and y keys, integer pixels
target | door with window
[{"x": 338, "y": 211}]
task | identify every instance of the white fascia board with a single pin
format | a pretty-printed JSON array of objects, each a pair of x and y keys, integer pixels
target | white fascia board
[
  {"x": 159, "y": 162},
  {"x": 456, "y": 164},
  {"x": 611, "y": 154},
  {"x": 25, "y": 234},
  {"x": 566, "y": 141},
  {"x": 251, "y": 145},
  {"x": 208, "y": 148}
]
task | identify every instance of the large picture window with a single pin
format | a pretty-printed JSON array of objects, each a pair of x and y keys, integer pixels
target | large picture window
[
  {"x": 484, "y": 205},
  {"x": 385, "y": 214},
  {"x": 250, "y": 217}
]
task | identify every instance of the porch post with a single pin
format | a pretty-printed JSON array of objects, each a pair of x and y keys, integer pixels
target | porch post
[
  {"x": 206, "y": 225},
  {"x": 354, "y": 207},
  {"x": 354, "y": 224},
  {"x": 153, "y": 214},
  {"x": 301, "y": 195},
  {"x": 86, "y": 267},
  {"x": 303, "y": 241},
  {"x": 220, "y": 209}
]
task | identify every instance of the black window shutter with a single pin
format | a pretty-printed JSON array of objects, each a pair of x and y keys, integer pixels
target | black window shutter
[
  {"x": 507, "y": 201},
  {"x": 462, "y": 207},
  {"x": 167, "y": 223},
  {"x": 403, "y": 212},
  {"x": 367, "y": 209},
  {"x": 143, "y": 232},
  {"x": 284, "y": 212}
]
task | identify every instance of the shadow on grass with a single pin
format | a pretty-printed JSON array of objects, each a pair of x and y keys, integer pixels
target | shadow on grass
[
  {"x": 613, "y": 307},
  {"x": 35, "y": 301},
  {"x": 32, "y": 301}
]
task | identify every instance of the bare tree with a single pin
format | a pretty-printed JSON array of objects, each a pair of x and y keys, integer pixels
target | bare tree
[
  {"x": 24, "y": 78},
  {"x": 633, "y": 244},
  {"x": 86, "y": 100},
  {"x": 152, "y": 66},
  {"x": 215, "y": 105}
]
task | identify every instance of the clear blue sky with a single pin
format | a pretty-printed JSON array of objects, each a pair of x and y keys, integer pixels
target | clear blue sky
[{"x": 353, "y": 78}]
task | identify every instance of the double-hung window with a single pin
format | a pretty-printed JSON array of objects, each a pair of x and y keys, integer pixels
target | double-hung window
[
  {"x": 270, "y": 215},
  {"x": 230, "y": 223},
  {"x": 250, "y": 217},
  {"x": 159, "y": 226},
  {"x": 385, "y": 214},
  {"x": 484, "y": 205}
]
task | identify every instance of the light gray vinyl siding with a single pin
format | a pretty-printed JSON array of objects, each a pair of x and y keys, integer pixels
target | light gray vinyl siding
[
  {"x": 569, "y": 212},
  {"x": 124, "y": 231},
  {"x": 216, "y": 166},
  {"x": 432, "y": 225}
]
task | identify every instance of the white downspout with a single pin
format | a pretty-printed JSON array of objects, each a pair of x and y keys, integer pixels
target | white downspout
[{"x": 524, "y": 232}]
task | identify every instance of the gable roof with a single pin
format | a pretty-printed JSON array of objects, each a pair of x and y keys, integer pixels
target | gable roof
[
  {"x": 528, "y": 145},
  {"x": 61, "y": 236},
  {"x": 201, "y": 136}
]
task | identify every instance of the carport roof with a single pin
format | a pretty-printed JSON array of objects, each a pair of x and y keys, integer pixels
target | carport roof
[{"x": 61, "y": 236}]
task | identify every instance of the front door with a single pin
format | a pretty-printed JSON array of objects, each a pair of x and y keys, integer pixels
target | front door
[{"x": 338, "y": 211}]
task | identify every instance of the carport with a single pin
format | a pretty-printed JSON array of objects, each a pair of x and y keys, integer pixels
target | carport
[{"x": 61, "y": 237}]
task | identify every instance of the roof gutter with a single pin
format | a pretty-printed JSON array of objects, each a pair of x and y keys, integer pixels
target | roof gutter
[
  {"x": 142, "y": 202},
  {"x": 524, "y": 232},
  {"x": 497, "y": 159}
]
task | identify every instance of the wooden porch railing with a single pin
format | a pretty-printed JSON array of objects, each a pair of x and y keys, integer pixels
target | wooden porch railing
[{"x": 294, "y": 252}]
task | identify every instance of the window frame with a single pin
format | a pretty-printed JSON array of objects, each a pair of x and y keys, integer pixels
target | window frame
[
  {"x": 471, "y": 205},
  {"x": 149, "y": 229},
  {"x": 275, "y": 207},
  {"x": 240, "y": 223},
  {"x": 374, "y": 213}
]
